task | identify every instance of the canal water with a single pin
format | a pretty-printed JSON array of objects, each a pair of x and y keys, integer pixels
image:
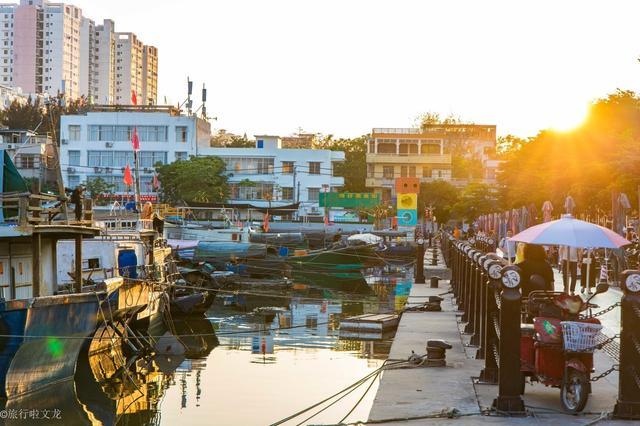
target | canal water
[
  {"x": 255, "y": 358},
  {"x": 296, "y": 358}
]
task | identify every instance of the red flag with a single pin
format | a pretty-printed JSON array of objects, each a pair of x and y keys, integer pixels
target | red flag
[
  {"x": 128, "y": 179},
  {"x": 134, "y": 98},
  {"x": 265, "y": 224},
  {"x": 135, "y": 140}
]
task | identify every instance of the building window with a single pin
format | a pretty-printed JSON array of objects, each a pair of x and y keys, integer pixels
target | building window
[
  {"x": 181, "y": 133},
  {"x": 314, "y": 194},
  {"x": 314, "y": 168},
  {"x": 249, "y": 165},
  {"x": 287, "y": 193},
  {"x": 403, "y": 171},
  {"x": 371, "y": 170},
  {"x": 151, "y": 158},
  {"x": 74, "y": 181},
  {"x": 335, "y": 169},
  {"x": 74, "y": 158},
  {"x": 74, "y": 133},
  {"x": 412, "y": 171},
  {"x": 27, "y": 161},
  {"x": 253, "y": 191},
  {"x": 287, "y": 167},
  {"x": 181, "y": 155},
  {"x": 426, "y": 172},
  {"x": 124, "y": 133},
  {"x": 387, "y": 172}
]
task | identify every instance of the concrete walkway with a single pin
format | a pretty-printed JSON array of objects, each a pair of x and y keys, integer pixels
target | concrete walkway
[{"x": 424, "y": 391}]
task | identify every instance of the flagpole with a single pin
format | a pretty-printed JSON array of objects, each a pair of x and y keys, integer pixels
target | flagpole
[{"x": 137, "y": 188}]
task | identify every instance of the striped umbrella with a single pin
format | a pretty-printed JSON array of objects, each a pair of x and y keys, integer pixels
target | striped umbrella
[{"x": 568, "y": 231}]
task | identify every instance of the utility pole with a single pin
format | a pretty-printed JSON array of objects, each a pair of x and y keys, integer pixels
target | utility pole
[{"x": 295, "y": 195}]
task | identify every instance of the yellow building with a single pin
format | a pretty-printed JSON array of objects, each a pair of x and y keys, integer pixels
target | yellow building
[{"x": 422, "y": 153}]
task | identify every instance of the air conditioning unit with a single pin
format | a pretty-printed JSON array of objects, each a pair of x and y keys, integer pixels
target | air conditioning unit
[
  {"x": 71, "y": 170},
  {"x": 64, "y": 141},
  {"x": 97, "y": 169},
  {"x": 107, "y": 170},
  {"x": 147, "y": 170},
  {"x": 109, "y": 144},
  {"x": 313, "y": 210},
  {"x": 10, "y": 146}
]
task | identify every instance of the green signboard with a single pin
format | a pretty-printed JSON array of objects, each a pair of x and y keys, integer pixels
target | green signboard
[{"x": 349, "y": 200}]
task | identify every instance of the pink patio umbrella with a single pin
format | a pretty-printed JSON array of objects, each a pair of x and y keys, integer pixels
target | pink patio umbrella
[{"x": 568, "y": 231}]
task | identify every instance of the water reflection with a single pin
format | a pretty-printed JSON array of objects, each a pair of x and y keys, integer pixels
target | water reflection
[{"x": 251, "y": 360}]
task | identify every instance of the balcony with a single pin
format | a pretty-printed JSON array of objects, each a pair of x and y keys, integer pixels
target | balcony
[{"x": 409, "y": 158}]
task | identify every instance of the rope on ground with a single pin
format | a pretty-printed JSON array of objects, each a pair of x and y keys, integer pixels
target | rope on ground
[{"x": 353, "y": 385}]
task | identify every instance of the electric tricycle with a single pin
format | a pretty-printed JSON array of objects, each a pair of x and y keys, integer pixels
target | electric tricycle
[{"x": 556, "y": 348}]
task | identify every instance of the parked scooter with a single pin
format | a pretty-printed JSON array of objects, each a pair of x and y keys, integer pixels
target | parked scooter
[{"x": 557, "y": 349}]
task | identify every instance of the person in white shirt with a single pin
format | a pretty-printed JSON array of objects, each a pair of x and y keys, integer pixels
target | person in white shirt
[
  {"x": 508, "y": 247},
  {"x": 569, "y": 257}
]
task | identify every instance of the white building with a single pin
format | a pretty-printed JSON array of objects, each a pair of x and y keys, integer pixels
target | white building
[
  {"x": 279, "y": 176},
  {"x": 32, "y": 154},
  {"x": 98, "y": 143}
]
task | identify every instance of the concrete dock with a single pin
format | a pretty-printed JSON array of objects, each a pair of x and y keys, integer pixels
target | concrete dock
[{"x": 425, "y": 395}]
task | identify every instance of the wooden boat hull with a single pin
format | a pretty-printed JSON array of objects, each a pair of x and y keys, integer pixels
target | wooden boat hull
[{"x": 350, "y": 258}]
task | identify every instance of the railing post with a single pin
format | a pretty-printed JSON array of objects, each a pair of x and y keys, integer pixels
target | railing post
[
  {"x": 471, "y": 306},
  {"x": 420, "y": 262},
  {"x": 477, "y": 317},
  {"x": 466, "y": 294},
  {"x": 628, "y": 402},
  {"x": 491, "y": 339},
  {"x": 509, "y": 399}
]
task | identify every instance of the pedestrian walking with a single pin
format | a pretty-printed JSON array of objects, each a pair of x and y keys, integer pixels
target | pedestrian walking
[
  {"x": 508, "y": 247},
  {"x": 588, "y": 272},
  {"x": 569, "y": 256}
]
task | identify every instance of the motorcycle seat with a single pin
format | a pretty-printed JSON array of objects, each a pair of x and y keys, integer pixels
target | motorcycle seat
[
  {"x": 527, "y": 329},
  {"x": 438, "y": 344}
]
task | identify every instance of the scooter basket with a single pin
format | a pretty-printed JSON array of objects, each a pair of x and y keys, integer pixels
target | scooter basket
[{"x": 579, "y": 336}]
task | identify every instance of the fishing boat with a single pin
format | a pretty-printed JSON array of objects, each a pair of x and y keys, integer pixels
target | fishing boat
[{"x": 345, "y": 258}]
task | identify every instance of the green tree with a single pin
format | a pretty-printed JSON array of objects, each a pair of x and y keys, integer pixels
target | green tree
[
  {"x": 200, "y": 179},
  {"x": 354, "y": 168},
  {"x": 588, "y": 163},
  {"x": 98, "y": 189},
  {"x": 43, "y": 118},
  {"x": 439, "y": 194},
  {"x": 475, "y": 199}
]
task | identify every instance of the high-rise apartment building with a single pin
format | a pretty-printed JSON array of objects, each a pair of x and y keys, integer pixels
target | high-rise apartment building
[
  {"x": 105, "y": 63},
  {"x": 52, "y": 48},
  {"x": 150, "y": 73},
  {"x": 129, "y": 75}
]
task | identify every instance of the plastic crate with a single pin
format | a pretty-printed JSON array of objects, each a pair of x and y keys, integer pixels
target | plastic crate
[{"x": 579, "y": 336}]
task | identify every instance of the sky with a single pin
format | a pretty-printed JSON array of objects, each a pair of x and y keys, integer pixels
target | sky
[{"x": 342, "y": 67}]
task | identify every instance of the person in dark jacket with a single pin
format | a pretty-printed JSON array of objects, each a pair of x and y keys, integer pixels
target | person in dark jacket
[
  {"x": 76, "y": 198},
  {"x": 535, "y": 263}
]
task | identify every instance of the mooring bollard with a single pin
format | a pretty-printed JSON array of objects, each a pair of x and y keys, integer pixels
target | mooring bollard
[
  {"x": 628, "y": 402},
  {"x": 509, "y": 399},
  {"x": 434, "y": 282},
  {"x": 420, "y": 261}
]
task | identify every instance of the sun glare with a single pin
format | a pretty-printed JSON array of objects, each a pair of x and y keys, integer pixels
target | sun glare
[{"x": 568, "y": 119}]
